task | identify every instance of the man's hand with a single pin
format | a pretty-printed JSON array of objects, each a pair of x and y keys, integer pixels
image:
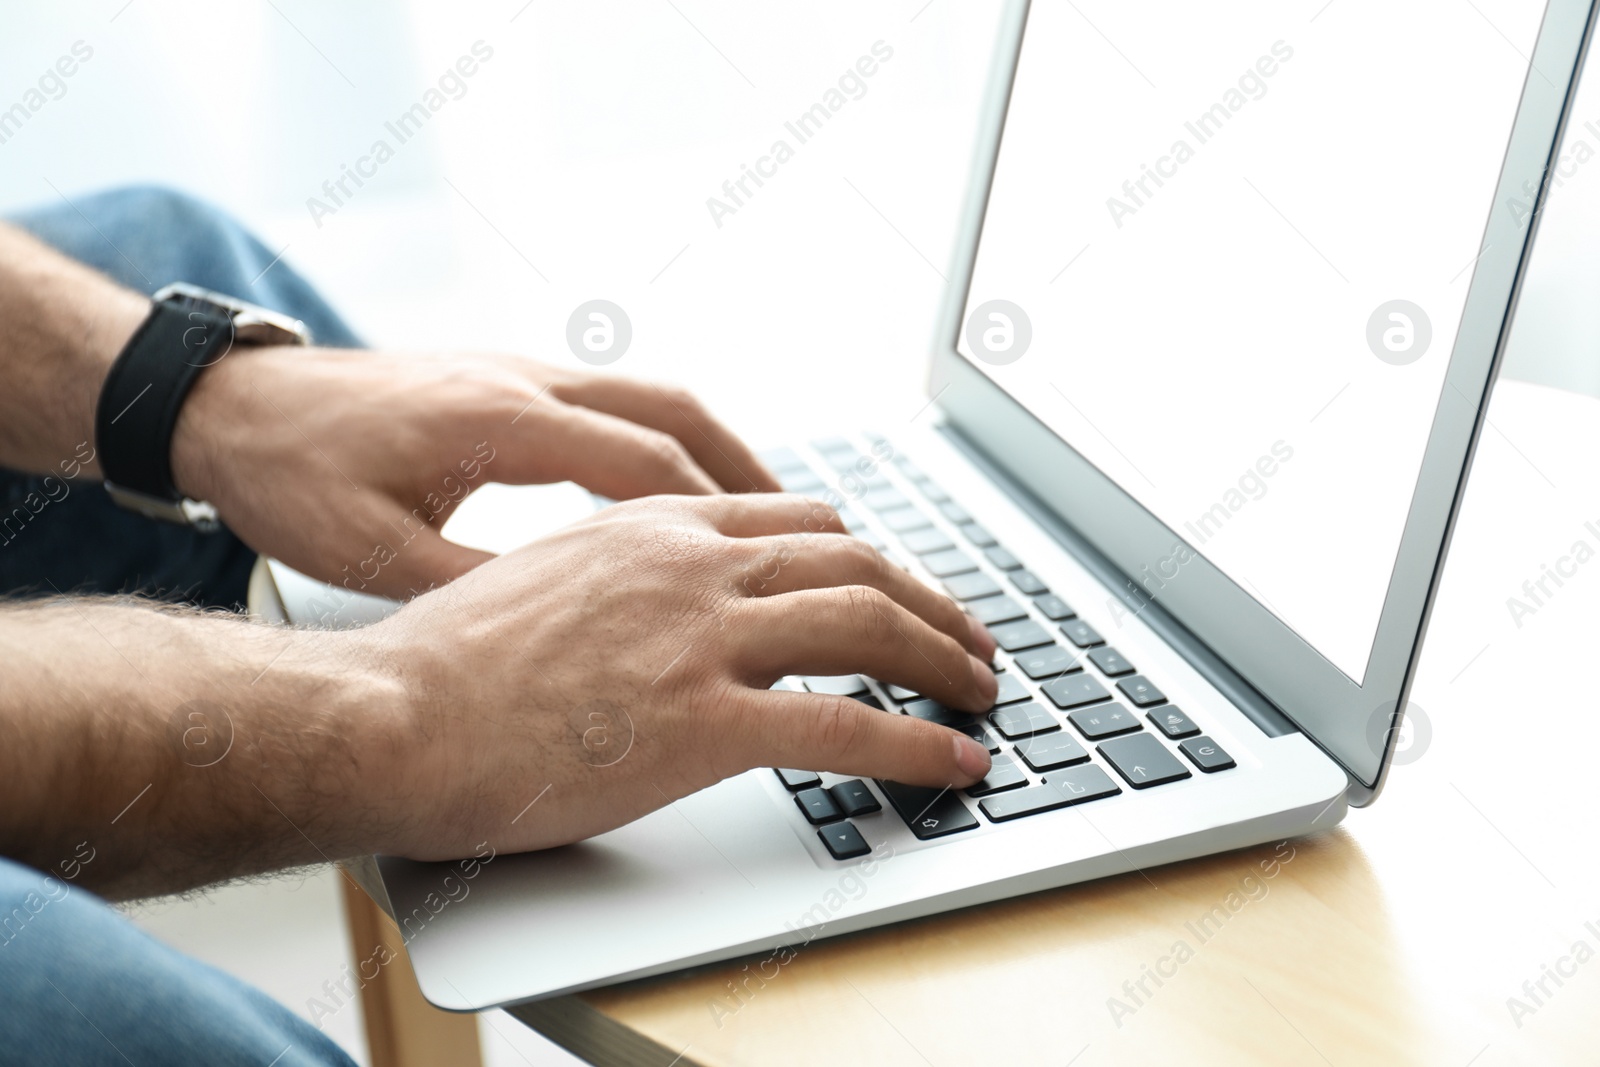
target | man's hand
[
  {"x": 345, "y": 463},
  {"x": 608, "y": 669},
  {"x": 625, "y": 662}
]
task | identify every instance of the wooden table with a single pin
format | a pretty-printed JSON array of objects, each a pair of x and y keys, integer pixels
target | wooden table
[{"x": 1405, "y": 936}]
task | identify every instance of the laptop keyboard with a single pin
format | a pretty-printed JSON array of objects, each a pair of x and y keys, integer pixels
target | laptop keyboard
[{"x": 1074, "y": 720}]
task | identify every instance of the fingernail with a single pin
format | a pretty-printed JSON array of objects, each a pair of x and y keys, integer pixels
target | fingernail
[
  {"x": 971, "y": 757},
  {"x": 982, "y": 637},
  {"x": 988, "y": 684}
]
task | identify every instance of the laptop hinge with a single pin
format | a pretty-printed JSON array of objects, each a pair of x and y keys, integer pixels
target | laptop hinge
[{"x": 1257, "y": 708}]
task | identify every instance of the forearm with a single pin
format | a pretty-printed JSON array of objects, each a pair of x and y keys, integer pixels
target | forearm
[
  {"x": 64, "y": 324},
  {"x": 180, "y": 748}
]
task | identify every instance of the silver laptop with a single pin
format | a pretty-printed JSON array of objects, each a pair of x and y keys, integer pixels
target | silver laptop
[{"x": 1230, "y": 294}]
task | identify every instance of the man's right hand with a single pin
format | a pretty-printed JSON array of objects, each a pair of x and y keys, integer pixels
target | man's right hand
[{"x": 624, "y": 662}]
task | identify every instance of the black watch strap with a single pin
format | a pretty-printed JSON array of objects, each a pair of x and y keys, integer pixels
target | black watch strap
[{"x": 145, "y": 390}]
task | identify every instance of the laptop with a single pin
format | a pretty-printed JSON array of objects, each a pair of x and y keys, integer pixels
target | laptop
[{"x": 1231, "y": 291}]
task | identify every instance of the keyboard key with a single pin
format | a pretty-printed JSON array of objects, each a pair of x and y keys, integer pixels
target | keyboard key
[
  {"x": 869, "y": 700},
  {"x": 948, "y": 563},
  {"x": 1111, "y": 663},
  {"x": 996, "y": 609},
  {"x": 901, "y": 694},
  {"x": 933, "y": 711},
  {"x": 1054, "y": 608},
  {"x": 1051, "y": 662},
  {"x": 1082, "y": 784},
  {"x": 1022, "y": 720},
  {"x": 976, "y": 534},
  {"x": 1082, "y": 634},
  {"x": 818, "y": 806},
  {"x": 1206, "y": 754},
  {"x": 782, "y": 460},
  {"x": 854, "y": 798},
  {"x": 1010, "y": 690},
  {"x": 843, "y": 841},
  {"x": 1172, "y": 722},
  {"x": 1016, "y": 804},
  {"x": 884, "y": 498},
  {"x": 910, "y": 469},
  {"x": 794, "y": 781},
  {"x": 852, "y": 520},
  {"x": 873, "y": 538},
  {"x": 1002, "y": 558},
  {"x": 1074, "y": 691},
  {"x": 788, "y": 685},
  {"x": 839, "y": 685},
  {"x": 972, "y": 586},
  {"x": 934, "y": 492},
  {"x": 927, "y": 539},
  {"x": 1028, "y": 583},
  {"x": 928, "y": 811},
  {"x": 1108, "y": 720},
  {"x": 1049, "y": 751},
  {"x": 1016, "y": 636},
  {"x": 844, "y": 459},
  {"x": 1003, "y": 774},
  {"x": 802, "y": 481},
  {"x": 954, "y": 512},
  {"x": 1142, "y": 760},
  {"x": 1141, "y": 691},
  {"x": 902, "y": 520},
  {"x": 983, "y": 737},
  {"x": 832, "y": 444}
]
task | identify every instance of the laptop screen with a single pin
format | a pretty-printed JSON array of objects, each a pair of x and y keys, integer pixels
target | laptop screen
[{"x": 1225, "y": 257}]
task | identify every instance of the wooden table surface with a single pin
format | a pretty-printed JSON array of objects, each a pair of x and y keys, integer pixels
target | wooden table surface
[{"x": 1456, "y": 921}]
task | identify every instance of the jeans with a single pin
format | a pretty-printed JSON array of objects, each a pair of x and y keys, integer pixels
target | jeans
[
  {"x": 79, "y": 984},
  {"x": 60, "y": 536}
]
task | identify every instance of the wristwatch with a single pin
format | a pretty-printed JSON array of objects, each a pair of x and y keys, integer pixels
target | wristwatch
[{"x": 188, "y": 329}]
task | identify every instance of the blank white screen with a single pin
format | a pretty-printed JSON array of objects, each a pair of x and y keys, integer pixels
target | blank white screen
[{"x": 1203, "y": 340}]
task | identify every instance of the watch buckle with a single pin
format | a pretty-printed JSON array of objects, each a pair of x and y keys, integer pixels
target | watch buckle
[{"x": 183, "y": 511}]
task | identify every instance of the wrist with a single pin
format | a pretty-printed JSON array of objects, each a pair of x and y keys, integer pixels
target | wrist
[{"x": 368, "y": 708}]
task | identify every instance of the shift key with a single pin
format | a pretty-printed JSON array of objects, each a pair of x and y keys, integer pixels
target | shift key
[{"x": 929, "y": 811}]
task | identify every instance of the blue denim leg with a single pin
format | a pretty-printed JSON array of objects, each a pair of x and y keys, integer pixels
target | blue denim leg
[
  {"x": 69, "y": 536},
  {"x": 82, "y": 986}
]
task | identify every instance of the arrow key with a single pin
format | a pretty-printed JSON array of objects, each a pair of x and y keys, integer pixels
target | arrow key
[
  {"x": 1142, "y": 760},
  {"x": 929, "y": 811}
]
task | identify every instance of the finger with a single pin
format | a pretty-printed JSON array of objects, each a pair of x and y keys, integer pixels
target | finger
[
  {"x": 856, "y": 628},
  {"x": 844, "y": 736},
  {"x": 605, "y": 454},
  {"x": 787, "y": 564},
  {"x": 758, "y": 514},
  {"x": 717, "y": 449}
]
